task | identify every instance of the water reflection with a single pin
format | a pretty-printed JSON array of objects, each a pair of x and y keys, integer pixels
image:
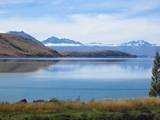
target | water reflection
[
  {"x": 68, "y": 79},
  {"x": 23, "y": 67},
  {"x": 100, "y": 69},
  {"x": 131, "y": 65}
]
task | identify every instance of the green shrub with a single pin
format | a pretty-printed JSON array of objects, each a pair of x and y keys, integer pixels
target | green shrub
[
  {"x": 38, "y": 117},
  {"x": 54, "y": 100}
]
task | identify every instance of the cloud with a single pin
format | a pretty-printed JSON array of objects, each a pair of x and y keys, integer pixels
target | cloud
[
  {"x": 8, "y": 2},
  {"x": 63, "y": 8},
  {"x": 88, "y": 28},
  {"x": 106, "y": 21}
]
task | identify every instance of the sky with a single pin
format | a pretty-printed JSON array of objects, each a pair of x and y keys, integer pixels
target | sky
[{"x": 101, "y": 21}]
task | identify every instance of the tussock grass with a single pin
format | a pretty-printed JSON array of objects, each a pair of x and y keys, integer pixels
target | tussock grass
[
  {"x": 99, "y": 105},
  {"x": 120, "y": 105}
]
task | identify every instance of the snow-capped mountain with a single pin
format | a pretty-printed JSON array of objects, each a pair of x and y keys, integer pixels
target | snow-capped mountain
[
  {"x": 138, "y": 43},
  {"x": 136, "y": 47},
  {"x": 24, "y": 35},
  {"x": 134, "y": 43},
  {"x": 139, "y": 47},
  {"x": 54, "y": 41}
]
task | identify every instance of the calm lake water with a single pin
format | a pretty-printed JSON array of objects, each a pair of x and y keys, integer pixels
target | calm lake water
[{"x": 72, "y": 78}]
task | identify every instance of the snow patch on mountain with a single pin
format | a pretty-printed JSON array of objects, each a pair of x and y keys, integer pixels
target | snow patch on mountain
[{"x": 137, "y": 43}]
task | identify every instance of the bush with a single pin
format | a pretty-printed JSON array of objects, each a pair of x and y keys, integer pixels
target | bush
[
  {"x": 38, "y": 117},
  {"x": 54, "y": 100}
]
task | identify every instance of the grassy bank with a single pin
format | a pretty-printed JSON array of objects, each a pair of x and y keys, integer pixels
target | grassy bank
[{"x": 137, "y": 109}]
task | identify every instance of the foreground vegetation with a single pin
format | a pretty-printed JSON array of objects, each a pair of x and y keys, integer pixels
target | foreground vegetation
[
  {"x": 155, "y": 83},
  {"x": 136, "y": 109}
]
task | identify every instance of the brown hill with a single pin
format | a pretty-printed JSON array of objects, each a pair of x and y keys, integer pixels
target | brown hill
[{"x": 16, "y": 46}]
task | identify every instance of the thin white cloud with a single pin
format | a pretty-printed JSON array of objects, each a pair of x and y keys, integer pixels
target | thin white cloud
[
  {"x": 98, "y": 28},
  {"x": 142, "y": 6},
  {"x": 127, "y": 7},
  {"x": 9, "y": 2}
]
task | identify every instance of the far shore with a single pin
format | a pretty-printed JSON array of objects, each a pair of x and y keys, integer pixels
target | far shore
[{"x": 69, "y": 58}]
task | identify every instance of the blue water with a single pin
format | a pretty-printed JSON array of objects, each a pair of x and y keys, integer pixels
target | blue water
[{"x": 68, "y": 79}]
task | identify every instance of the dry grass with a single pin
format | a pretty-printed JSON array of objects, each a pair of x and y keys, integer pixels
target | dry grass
[
  {"x": 103, "y": 105},
  {"x": 123, "y": 105}
]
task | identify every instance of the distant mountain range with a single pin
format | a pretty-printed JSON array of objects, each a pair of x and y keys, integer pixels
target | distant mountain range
[
  {"x": 66, "y": 46},
  {"x": 54, "y": 41},
  {"x": 137, "y": 47}
]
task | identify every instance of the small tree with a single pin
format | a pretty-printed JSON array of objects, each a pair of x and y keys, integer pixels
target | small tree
[{"x": 155, "y": 83}]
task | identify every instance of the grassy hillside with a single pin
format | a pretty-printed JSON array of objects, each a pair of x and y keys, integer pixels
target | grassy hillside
[
  {"x": 16, "y": 46},
  {"x": 137, "y": 109}
]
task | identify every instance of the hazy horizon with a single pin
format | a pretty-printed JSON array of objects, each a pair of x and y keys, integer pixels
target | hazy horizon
[{"x": 101, "y": 21}]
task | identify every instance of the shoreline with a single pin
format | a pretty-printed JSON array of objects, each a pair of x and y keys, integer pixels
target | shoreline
[{"x": 68, "y": 58}]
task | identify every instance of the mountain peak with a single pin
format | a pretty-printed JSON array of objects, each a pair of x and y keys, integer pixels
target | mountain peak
[
  {"x": 24, "y": 35},
  {"x": 137, "y": 43},
  {"x": 52, "y": 41}
]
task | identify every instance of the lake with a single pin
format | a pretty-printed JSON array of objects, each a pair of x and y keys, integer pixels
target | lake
[{"x": 72, "y": 78}]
